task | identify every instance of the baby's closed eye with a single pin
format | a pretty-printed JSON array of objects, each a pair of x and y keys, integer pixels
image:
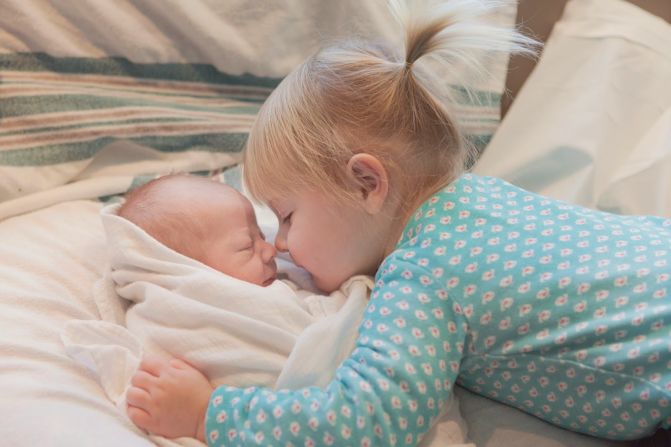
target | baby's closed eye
[
  {"x": 287, "y": 218},
  {"x": 244, "y": 244}
]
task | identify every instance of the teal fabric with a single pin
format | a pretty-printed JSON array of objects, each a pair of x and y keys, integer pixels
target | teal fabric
[{"x": 558, "y": 310}]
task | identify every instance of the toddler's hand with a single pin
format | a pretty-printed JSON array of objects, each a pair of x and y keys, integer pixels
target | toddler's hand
[{"x": 169, "y": 398}]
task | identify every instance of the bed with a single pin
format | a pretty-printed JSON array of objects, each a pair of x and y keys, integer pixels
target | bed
[{"x": 99, "y": 97}]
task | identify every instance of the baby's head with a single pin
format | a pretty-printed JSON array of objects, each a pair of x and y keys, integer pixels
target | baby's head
[{"x": 204, "y": 220}]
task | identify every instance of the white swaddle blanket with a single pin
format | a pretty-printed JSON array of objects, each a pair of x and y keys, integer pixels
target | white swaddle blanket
[{"x": 235, "y": 332}]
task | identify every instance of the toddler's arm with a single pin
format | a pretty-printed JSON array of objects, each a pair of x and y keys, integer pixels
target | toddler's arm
[{"x": 392, "y": 387}]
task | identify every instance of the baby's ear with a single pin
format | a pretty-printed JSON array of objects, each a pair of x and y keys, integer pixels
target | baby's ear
[{"x": 370, "y": 179}]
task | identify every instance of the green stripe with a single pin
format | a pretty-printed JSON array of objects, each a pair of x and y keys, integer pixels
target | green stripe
[
  {"x": 119, "y": 66},
  {"x": 137, "y": 181},
  {"x": 119, "y": 122},
  {"x": 480, "y": 141},
  {"x": 258, "y": 101},
  {"x": 140, "y": 180},
  {"x": 103, "y": 87},
  {"x": 32, "y": 105},
  {"x": 475, "y": 120},
  {"x": 482, "y": 98},
  {"x": 233, "y": 177},
  {"x": 70, "y": 152}
]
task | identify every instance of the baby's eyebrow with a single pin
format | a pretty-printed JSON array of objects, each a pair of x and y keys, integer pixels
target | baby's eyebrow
[{"x": 247, "y": 238}]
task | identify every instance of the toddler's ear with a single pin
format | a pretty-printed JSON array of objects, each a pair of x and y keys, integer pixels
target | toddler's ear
[{"x": 370, "y": 179}]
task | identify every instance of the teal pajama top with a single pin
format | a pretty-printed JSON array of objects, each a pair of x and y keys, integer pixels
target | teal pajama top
[{"x": 560, "y": 311}]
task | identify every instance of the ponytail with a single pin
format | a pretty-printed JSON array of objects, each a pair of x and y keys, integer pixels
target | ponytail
[
  {"x": 360, "y": 97},
  {"x": 454, "y": 29}
]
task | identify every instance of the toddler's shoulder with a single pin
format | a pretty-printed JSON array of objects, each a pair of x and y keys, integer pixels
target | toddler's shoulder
[
  {"x": 467, "y": 192},
  {"x": 471, "y": 185}
]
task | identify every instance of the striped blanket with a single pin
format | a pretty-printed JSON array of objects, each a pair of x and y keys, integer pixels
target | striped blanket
[
  {"x": 94, "y": 104},
  {"x": 73, "y": 128}
]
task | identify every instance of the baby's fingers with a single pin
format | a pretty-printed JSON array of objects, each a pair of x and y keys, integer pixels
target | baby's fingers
[
  {"x": 142, "y": 379},
  {"x": 180, "y": 364},
  {"x": 152, "y": 365},
  {"x": 140, "y": 418},
  {"x": 137, "y": 397}
]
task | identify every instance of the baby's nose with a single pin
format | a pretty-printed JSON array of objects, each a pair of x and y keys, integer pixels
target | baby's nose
[{"x": 269, "y": 252}]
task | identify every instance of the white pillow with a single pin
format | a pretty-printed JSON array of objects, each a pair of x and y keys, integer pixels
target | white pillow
[{"x": 592, "y": 124}]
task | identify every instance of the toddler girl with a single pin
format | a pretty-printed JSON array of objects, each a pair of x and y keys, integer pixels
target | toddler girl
[{"x": 557, "y": 310}]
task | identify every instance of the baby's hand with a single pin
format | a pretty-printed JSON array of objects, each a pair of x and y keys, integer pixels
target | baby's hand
[{"x": 169, "y": 398}]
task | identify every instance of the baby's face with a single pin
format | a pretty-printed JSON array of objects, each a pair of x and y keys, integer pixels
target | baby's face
[{"x": 235, "y": 244}]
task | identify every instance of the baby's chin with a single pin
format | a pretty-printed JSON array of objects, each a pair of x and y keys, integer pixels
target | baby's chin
[{"x": 267, "y": 282}]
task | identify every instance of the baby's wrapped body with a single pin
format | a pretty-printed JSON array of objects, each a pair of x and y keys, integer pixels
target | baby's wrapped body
[
  {"x": 558, "y": 310},
  {"x": 236, "y": 331},
  {"x": 239, "y": 333}
]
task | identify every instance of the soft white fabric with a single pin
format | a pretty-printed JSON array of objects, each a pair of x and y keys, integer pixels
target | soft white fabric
[
  {"x": 261, "y": 37},
  {"x": 237, "y": 36},
  {"x": 50, "y": 260},
  {"x": 592, "y": 124},
  {"x": 85, "y": 189}
]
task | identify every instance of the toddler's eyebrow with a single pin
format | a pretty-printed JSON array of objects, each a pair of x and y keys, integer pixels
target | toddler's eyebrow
[{"x": 274, "y": 208}]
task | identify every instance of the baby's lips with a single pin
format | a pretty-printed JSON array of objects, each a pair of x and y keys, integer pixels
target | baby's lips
[{"x": 273, "y": 276}]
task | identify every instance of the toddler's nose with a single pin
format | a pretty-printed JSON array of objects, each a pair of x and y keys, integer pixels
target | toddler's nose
[{"x": 281, "y": 241}]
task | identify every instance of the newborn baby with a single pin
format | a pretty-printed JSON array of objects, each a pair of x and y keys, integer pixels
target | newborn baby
[{"x": 206, "y": 221}]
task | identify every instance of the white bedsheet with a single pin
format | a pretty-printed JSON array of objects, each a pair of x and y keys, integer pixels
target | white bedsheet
[{"x": 50, "y": 261}]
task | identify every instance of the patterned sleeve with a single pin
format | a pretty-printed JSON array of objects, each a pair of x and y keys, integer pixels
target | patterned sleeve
[{"x": 388, "y": 392}]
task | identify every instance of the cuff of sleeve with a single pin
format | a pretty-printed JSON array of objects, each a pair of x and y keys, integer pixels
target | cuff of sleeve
[{"x": 219, "y": 427}]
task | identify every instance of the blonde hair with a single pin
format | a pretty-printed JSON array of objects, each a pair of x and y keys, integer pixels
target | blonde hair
[{"x": 364, "y": 97}]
